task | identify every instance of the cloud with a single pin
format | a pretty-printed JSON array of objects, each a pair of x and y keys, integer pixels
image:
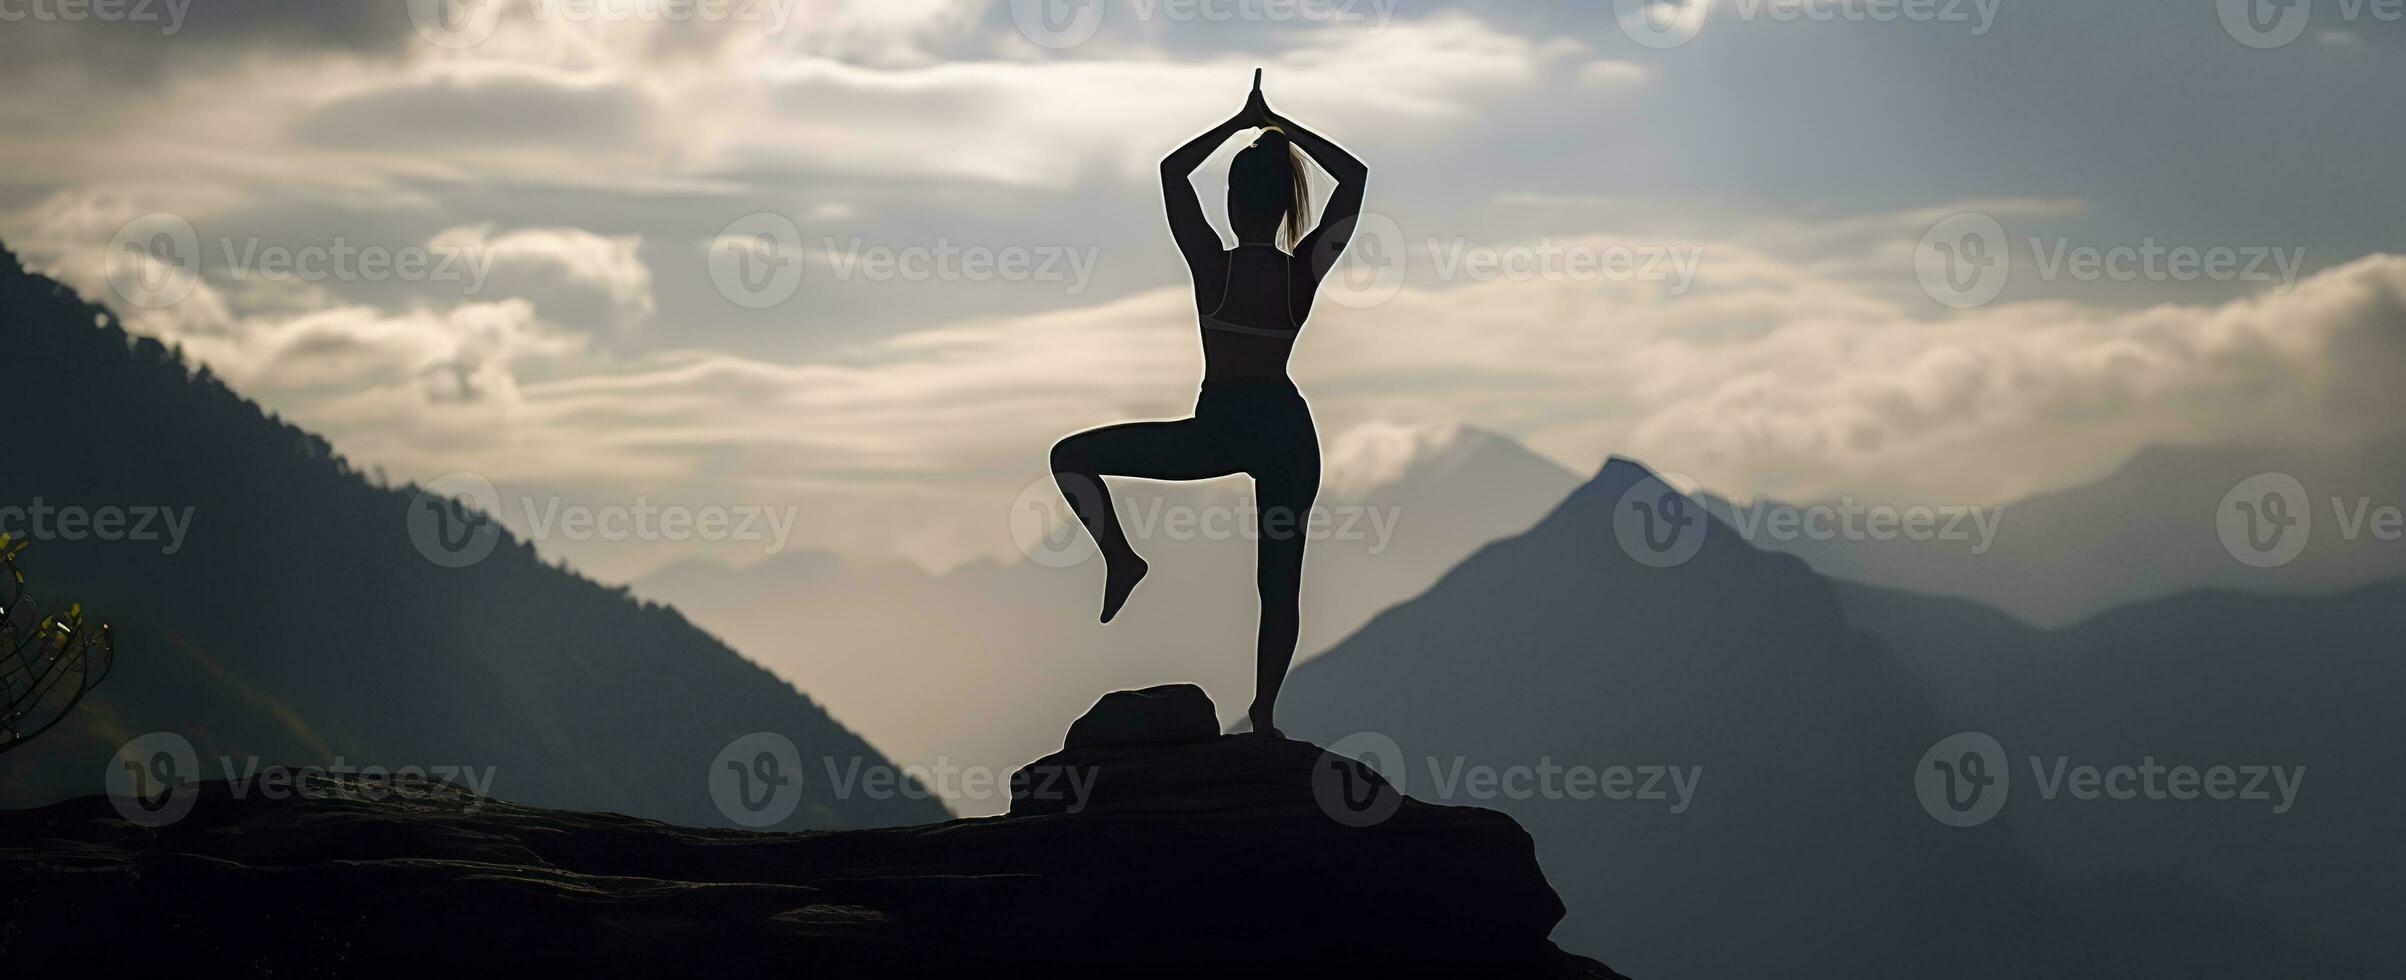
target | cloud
[
  {"x": 1844, "y": 390},
  {"x": 573, "y": 276},
  {"x": 1804, "y": 360},
  {"x": 454, "y": 111},
  {"x": 1378, "y": 452},
  {"x": 1609, "y": 75}
]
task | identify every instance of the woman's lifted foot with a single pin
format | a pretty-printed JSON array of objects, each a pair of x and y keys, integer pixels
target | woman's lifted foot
[{"x": 1119, "y": 579}]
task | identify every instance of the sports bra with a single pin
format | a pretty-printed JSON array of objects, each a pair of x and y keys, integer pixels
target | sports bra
[{"x": 1282, "y": 324}]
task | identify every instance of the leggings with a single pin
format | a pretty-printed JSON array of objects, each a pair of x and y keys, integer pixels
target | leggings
[{"x": 1261, "y": 429}]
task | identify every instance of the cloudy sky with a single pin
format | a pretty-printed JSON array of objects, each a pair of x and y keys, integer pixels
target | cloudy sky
[{"x": 865, "y": 260}]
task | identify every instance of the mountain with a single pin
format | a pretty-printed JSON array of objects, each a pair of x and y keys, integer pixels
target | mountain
[
  {"x": 1182, "y": 854},
  {"x": 291, "y": 620},
  {"x": 2302, "y": 685},
  {"x": 1706, "y": 734},
  {"x": 2149, "y": 530},
  {"x": 971, "y": 668}
]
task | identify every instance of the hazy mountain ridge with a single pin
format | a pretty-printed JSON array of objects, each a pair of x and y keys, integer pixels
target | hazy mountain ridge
[
  {"x": 975, "y": 665},
  {"x": 297, "y": 623},
  {"x": 2220, "y": 677},
  {"x": 1805, "y": 715},
  {"x": 2143, "y": 532}
]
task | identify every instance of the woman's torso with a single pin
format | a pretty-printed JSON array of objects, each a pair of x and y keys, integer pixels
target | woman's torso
[{"x": 1251, "y": 315}]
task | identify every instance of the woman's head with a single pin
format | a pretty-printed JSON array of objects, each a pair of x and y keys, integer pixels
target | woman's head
[{"x": 1266, "y": 190}]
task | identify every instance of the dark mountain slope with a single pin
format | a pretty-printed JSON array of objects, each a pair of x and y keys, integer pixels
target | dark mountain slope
[
  {"x": 1174, "y": 852},
  {"x": 2309, "y": 683},
  {"x": 1559, "y": 648},
  {"x": 297, "y": 622}
]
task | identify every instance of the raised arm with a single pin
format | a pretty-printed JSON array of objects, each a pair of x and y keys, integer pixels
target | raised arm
[
  {"x": 1193, "y": 233},
  {"x": 1320, "y": 247}
]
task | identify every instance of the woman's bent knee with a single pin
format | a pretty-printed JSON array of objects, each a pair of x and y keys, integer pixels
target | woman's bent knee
[{"x": 1068, "y": 456}]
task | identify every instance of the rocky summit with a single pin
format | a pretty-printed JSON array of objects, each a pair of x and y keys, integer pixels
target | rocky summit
[{"x": 1155, "y": 845}]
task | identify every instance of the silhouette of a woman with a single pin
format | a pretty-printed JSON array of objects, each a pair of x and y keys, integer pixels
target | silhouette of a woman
[{"x": 1248, "y": 418}]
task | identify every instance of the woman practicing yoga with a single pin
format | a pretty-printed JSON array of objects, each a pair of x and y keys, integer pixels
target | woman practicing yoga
[{"x": 1249, "y": 418}]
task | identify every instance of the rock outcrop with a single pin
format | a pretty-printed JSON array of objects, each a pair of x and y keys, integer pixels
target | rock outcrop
[{"x": 1212, "y": 855}]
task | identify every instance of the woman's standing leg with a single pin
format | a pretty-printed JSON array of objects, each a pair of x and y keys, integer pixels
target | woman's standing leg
[
  {"x": 1180, "y": 450},
  {"x": 1285, "y": 498}
]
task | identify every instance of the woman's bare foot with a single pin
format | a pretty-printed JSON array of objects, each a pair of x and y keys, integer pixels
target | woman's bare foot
[
  {"x": 1261, "y": 724},
  {"x": 1119, "y": 579}
]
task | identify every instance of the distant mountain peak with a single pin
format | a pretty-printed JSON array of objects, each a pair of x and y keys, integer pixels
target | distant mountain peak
[
  {"x": 311, "y": 615},
  {"x": 1615, "y": 478},
  {"x": 1378, "y": 455},
  {"x": 1622, "y": 471}
]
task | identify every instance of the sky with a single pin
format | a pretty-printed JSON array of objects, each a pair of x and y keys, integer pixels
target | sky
[{"x": 856, "y": 265}]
